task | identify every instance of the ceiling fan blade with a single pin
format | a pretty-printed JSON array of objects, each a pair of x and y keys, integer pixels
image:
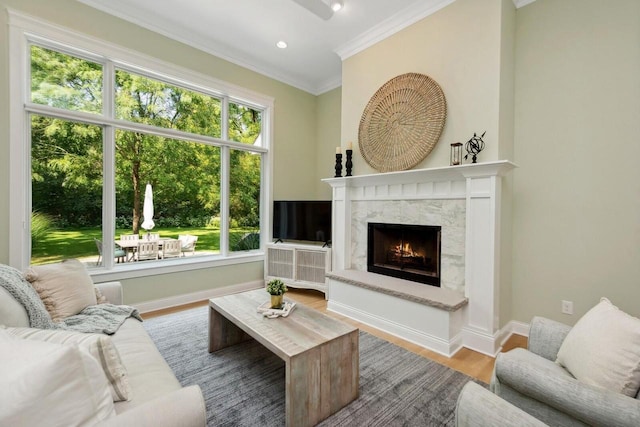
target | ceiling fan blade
[{"x": 317, "y": 7}]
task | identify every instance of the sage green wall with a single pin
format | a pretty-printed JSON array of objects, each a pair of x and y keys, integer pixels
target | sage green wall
[
  {"x": 506, "y": 98},
  {"x": 294, "y": 148},
  {"x": 328, "y": 139},
  {"x": 459, "y": 47},
  {"x": 576, "y": 206},
  {"x": 167, "y": 285}
]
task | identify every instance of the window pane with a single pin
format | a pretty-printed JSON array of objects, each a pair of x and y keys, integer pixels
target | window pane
[
  {"x": 143, "y": 100},
  {"x": 66, "y": 186},
  {"x": 245, "y": 124},
  {"x": 185, "y": 182},
  {"x": 244, "y": 201},
  {"x": 64, "y": 81}
]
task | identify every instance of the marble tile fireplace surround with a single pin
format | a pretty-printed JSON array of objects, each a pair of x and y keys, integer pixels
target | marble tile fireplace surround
[{"x": 464, "y": 201}]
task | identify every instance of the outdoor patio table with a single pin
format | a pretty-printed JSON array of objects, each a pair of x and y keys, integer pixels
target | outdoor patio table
[{"x": 129, "y": 246}]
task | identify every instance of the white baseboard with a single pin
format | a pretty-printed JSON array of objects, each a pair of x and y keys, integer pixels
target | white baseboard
[
  {"x": 519, "y": 328},
  {"x": 481, "y": 341},
  {"x": 513, "y": 327},
  {"x": 438, "y": 345},
  {"x": 159, "y": 304},
  {"x": 469, "y": 338},
  {"x": 491, "y": 345}
]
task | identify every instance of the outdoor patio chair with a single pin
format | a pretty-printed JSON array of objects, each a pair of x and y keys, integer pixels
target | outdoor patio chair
[
  {"x": 131, "y": 238},
  {"x": 150, "y": 236},
  {"x": 118, "y": 253},
  {"x": 171, "y": 249},
  {"x": 188, "y": 243},
  {"x": 147, "y": 250}
]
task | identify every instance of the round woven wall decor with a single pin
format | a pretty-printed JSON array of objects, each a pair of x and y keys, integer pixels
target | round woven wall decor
[{"x": 402, "y": 122}]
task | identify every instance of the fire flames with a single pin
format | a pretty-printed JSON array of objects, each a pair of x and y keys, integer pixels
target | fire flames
[{"x": 406, "y": 251}]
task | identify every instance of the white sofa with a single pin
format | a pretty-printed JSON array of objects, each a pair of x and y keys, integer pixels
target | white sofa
[{"x": 158, "y": 399}]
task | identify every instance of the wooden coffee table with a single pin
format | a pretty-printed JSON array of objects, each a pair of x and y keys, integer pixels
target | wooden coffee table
[{"x": 320, "y": 353}]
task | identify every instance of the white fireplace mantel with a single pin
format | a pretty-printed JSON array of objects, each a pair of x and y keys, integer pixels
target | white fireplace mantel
[
  {"x": 498, "y": 168},
  {"x": 479, "y": 186}
]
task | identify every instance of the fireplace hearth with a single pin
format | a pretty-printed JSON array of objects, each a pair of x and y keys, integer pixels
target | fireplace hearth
[{"x": 410, "y": 252}]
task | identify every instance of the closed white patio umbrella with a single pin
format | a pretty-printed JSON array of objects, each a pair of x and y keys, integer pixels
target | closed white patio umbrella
[{"x": 147, "y": 209}]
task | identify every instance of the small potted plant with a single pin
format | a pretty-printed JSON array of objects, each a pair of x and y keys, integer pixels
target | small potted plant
[{"x": 276, "y": 288}]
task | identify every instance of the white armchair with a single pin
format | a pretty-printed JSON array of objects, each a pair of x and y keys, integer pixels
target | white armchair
[
  {"x": 478, "y": 407},
  {"x": 534, "y": 382}
]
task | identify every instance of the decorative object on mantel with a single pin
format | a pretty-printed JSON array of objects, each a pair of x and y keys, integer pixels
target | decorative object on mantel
[
  {"x": 456, "y": 154},
  {"x": 272, "y": 313},
  {"x": 349, "y": 162},
  {"x": 338, "y": 163},
  {"x": 402, "y": 122},
  {"x": 474, "y": 146},
  {"x": 276, "y": 288}
]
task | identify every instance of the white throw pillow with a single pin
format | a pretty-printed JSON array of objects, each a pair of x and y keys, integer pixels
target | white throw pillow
[
  {"x": 603, "y": 349},
  {"x": 65, "y": 288},
  {"x": 47, "y": 384},
  {"x": 99, "y": 346}
]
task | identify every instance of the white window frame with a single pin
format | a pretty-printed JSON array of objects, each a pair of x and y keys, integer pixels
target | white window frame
[{"x": 25, "y": 30}]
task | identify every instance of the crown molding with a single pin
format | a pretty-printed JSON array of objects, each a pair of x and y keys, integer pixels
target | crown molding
[
  {"x": 390, "y": 26},
  {"x": 398, "y": 22},
  {"x": 203, "y": 45},
  {"x": 134, "y": 59},
  {"x": 521, "y": 3},
  {"x": 328, "y": 85}
]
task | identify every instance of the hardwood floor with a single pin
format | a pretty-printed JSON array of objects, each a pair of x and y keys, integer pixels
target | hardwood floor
[{"x": 472, "y": 363}]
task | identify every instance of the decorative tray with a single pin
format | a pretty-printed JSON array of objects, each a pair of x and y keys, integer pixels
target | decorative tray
[{"x": 272, "y": 313}]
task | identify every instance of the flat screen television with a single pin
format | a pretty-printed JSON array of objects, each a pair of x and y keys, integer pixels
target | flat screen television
[{"x": 307, "y": 220}]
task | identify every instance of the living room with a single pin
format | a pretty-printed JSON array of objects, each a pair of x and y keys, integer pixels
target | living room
[{"x": 554, "y": 83}]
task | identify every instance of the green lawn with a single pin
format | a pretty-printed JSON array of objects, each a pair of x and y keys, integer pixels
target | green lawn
[{"x": 62, "y": 244}]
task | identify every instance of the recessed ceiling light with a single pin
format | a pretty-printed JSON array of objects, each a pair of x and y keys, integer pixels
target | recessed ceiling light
[
  {"x": 282, "y": 44},
  {"x": 336, "y": 5}
]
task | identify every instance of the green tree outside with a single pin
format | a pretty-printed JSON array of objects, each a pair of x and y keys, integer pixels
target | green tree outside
[{"x": 67, "y": 157}]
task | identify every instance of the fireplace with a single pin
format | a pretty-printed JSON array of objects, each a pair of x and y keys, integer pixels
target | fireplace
[{"x": 410, "y": 252}]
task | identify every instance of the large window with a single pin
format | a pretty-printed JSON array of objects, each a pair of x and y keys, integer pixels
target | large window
[
  {"x": 66, "y": 189},
  {"x": 108, "y": 138}
]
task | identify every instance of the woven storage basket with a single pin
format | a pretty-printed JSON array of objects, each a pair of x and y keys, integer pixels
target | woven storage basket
[{"x": 402, "y": 122}]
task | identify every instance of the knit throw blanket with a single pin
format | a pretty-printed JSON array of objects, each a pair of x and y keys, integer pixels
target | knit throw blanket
[{"x": 102, "y": 318}]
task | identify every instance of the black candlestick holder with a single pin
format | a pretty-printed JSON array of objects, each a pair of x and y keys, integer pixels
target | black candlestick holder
[
  {"x": 338, "y": 165},
  {"x": 349, "y": 164}
]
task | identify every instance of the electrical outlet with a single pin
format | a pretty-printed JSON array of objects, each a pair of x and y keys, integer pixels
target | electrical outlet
[{"x": 567, "y": 307}]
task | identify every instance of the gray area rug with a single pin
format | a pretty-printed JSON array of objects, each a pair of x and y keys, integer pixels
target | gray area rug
[{"x": 244, "y": 385}]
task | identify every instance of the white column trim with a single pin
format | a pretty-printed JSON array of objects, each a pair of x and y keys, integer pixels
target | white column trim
[{"x": 19, "y": 137}]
